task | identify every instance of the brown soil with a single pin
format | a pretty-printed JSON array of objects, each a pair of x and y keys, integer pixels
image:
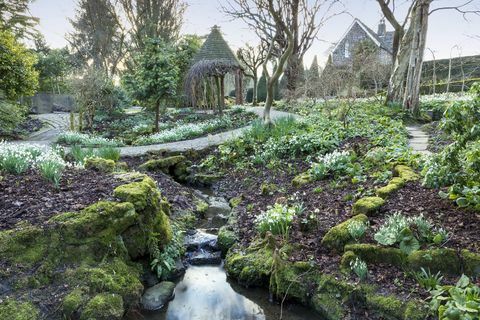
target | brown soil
[{"x": 30, "y": 198}]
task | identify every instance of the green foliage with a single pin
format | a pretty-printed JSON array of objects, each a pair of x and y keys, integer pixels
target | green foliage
[
  {"x": 461, "y": 301},
  {"x": 109, "y": 153},
  {"x": 53, "y": 66},
  {"x": 18, "y": 76},
  {"x": 156, "y": 74},
  {"x": 336, "y": 164},
  {"x": 427, "y": 280},
  {"x": 277, "y": 219},
  {"x": 52, "y": 171},
  {"x": 360, "y": 268},
  {"x": 11, "y": 115},
  {"x": 409, "y": 233},
  {"x": 457, "y": 166},
  {"x": 357, "y": 229},
  {"x": 71, "y": 138},
  {"x": 164, "y": 260}
]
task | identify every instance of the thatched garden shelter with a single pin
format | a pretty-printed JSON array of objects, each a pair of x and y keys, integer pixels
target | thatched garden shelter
[{"x": 205, "y": 81}]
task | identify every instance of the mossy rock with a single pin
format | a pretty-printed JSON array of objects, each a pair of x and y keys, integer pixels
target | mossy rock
[
  {"x": 100, "y": 164},
  {"x": 387, "y": 307},
  {"x": 73, "y": 302},
  {"x": 251, "y": 266},
  {"x": 15, "y": 310},
  {"x": 328, "y": 306},
  {"x": 394, "y": 185},
  {"x": 206, "y": 179},
  {"x": 235, "y": 202},
  {"x": 104, "y": 306},
  {"x": 347, "y": 258},
  {"x": 226, "y": 239},
  {"x": 121, "y": 166},
  {"x": 375, "y": 254},
  {"x": 175, "y": 166},
  {"x": 471, "y": 262},
  {"x": 368, "y": 205},
  {"x": 302, "y": 179},
  {"x": 109, "y": 277},
  {"x": 443, "y": 260},
  {"x": 292, "y": 280},
  {"x": 268, "y": 188},
  {"x": 337, "y": 237},
  {"x": 406, "y": 173},
  {"x": 416, "y": 311},
  {"x": 24, "y": 246}
]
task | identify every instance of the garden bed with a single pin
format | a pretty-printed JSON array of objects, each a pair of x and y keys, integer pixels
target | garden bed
[{"x": 30, "y": 198}]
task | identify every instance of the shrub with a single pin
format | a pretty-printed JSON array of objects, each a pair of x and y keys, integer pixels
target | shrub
[{"x": 11, "y": 115}]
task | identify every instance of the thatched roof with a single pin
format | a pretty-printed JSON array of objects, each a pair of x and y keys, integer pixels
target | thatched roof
[{"x": 216, "y": 48}]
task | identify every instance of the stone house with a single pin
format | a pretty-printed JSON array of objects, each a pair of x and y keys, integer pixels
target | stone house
[{"x": 342, "y": 53}]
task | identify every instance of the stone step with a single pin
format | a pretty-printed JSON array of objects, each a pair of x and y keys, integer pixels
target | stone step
[{"x": 200, "y": 258}]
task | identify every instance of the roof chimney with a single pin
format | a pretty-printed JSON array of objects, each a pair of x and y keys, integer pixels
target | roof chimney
[{"x": 382, "y": 28}]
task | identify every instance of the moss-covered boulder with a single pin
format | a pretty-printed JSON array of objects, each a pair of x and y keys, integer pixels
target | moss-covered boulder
[
  {"x": 226, "y": 239},
  {"x": 337, "y": 237},
  {"x": 443, "y": 260},
  {"x": 394, "y": 185},
  {"x": 100, "y": 164},
  {"x": 471, "y": 263},
  {"x": 73, "y": 302},
  {"x": 206, "y": 180},
  {"x": 268, "y": 188},
  {"x": 347, "y": 258},
  {"x": 302, "y": 179},
  {"x": 368, "y": 205},
  {"x": 15, "y": 310},
  {"x": 175, "y": 166},
  {"x": 406, "y": 173},
  {"x": 375, "y": 254},
  {"x": 104, "y": 306},
  {"x": 251, "y": 266}
]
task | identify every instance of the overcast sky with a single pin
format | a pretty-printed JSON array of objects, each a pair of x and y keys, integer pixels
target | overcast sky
[{"x": 447, "y": 29}]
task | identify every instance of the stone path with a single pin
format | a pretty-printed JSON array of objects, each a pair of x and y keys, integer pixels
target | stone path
[
  {"x": 418, "y": 139},
  {"x": 53, "y": 125}
]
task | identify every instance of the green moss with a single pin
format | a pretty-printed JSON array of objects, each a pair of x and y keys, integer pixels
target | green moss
[
  {"x": 105, "y": 306},
  {"x": 109, "y": 277},
  {"x": 444, "y": 260},
  {"x": 100, "y": 164},
  {"x": 416, "y": 311},
  {"x": 121, "y": 166},
  {"x": 302, "y": 179},
  {"x": 206, "y": 179},
  {"x": 201, "y": 207},
  {"x": 16, "y": 310},
  {"x": 337, "y": 237},
  {"x": 291, "y": 280},
  {"x": 387, "y": 307},
  {"x": 268, "y": 188},
  {"x": 394, "y": 185},
  {"x": 328, "y": 306},
  {"x": 26, "y": 245},
  {"x": 73, "y": 302},
  {"x": 406, "y": 173},
  {"x": 368, "y": 205},
  {"x": 374, "y": 254},
  {"x": 251, "y": 266},
  {"x": 143, "y": 194},
  {"x": 471, "y": 263},
  {"x": 164, "y": 164},
  {"x": 226, "y": 239},
  {"x": 235, "y": 202}
]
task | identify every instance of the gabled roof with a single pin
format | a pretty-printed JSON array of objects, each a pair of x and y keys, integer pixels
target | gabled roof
[
  {"x": 216, "y": 48},
  {"x": 379, "y": 41}
]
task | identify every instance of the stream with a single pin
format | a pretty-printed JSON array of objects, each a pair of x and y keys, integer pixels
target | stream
[{"x": 205, "y": 293}]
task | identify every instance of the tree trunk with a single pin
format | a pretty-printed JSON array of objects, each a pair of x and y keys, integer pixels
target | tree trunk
[
  {"x": 396, "y": 84},
  {"x": 255, "y": 90},
  {"x": 239, "y": 87},
  {"x": 419, "y": 24},
  {"x": 219, "y": 99},
  {"x": 157, "y": 116},
  {"x": 269, "y": 102},
  {"x": 222, "y": 94}
]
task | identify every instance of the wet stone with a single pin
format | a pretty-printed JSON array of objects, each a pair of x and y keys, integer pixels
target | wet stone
[
  {"x": 201, "y": 240},
  {"x": 205, "y": 258},
  {"x": 158, "y": 296}
]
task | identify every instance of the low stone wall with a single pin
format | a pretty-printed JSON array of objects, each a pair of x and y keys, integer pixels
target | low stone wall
[{"x": 48, "y": 103}]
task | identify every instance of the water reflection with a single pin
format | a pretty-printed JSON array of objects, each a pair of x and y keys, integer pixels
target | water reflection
[{"x": 204, "y": 293}]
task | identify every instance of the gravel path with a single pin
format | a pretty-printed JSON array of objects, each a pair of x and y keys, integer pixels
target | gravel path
[
  {"x": 55, "y": 123},
  {"x": 203, "y": 142},
  {"x": 418, "y": 139}
]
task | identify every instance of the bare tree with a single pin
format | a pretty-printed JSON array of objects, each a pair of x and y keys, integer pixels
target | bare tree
[
  {"x": 252, "y": 58},
  {"x": 304, "y": 22},
  {"x": 409, "y": 46},
  {"x": 154, "y": 19}
]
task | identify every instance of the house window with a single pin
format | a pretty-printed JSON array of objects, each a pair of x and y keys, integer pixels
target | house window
[{"x": 347, "y": 49}]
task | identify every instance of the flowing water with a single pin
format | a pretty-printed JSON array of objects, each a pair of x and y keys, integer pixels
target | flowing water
[{"x": 205, "y": 294}]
